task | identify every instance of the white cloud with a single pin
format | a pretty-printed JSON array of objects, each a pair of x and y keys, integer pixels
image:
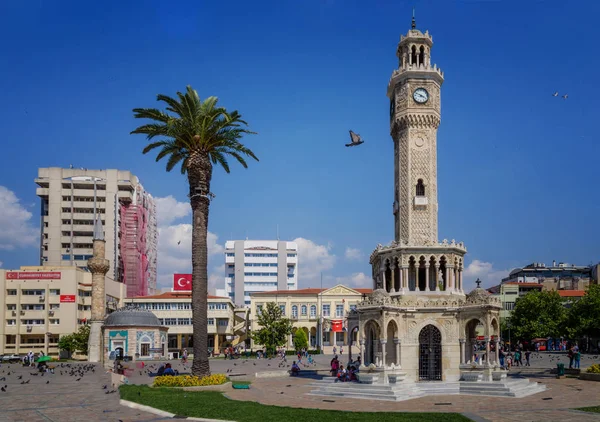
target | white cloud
[
  {"x": 357, "y": 280},
  {"x": 16, "y": 229},
  {"x": 485, "y": 271},
  {"x": 1, "y": 264},
  {"x": 312, "y": 260},
  {"x": 168, "y": 209},
  {"x": 175, "y": 244},
  {"x": 353, "y": 253}
]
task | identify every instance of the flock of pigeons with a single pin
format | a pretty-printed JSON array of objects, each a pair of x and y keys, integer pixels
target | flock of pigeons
[{"x": 565, "y": 96}]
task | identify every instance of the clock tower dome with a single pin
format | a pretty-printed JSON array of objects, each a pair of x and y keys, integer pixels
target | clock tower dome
[{"x": 414, "y": 93}]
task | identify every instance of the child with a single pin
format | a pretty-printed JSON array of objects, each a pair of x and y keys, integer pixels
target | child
[{"x": 295, "y": 368}]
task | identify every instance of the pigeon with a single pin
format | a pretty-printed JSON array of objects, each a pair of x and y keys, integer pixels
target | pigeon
[
  {"x": 20, "y": 377},
  {"x": 3, "y": 389},
  {"x": 179, "y": 242},
  {"x": 78, "y": 379},
  {"x": 555, "y": 94},
  {"x": 48, "y": 382},
  {"x": 355, "y": 139},
  {"x": 565, "y": 96}
]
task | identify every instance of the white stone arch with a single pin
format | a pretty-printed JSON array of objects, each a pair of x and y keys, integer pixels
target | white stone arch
[
  {"x": 392, "y": 333},
  {"x": 422, "y": 324},
  {"x": 372, "y": 347}
]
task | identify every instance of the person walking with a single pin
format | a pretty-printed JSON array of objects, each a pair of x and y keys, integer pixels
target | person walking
[
  {"x": 577, "y": 356},
  {"x": 527, "y": 353}
]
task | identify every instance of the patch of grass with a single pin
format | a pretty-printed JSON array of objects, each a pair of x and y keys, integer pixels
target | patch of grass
[
  {"x": 593, "y": 409},
  {"x": 212, "y": 404},
  {"x": 240, "y": 382}
]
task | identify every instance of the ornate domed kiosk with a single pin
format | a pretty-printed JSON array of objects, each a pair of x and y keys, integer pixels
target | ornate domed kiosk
[{"x": 136, "y": 333}]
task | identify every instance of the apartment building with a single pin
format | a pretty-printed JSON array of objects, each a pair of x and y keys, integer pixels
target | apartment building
[
  {"x": 226, "y": 324},
  {"x": 321, "y": 313},
  {"x": 41, "y": 304},
  {"x": 70, "y": 198},
  {"x": 253, "y": 266}
]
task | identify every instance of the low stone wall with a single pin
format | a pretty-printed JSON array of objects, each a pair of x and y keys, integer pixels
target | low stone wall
[
  {"x": 589, "y": 376},
  {"x": 220, "y": 387}
]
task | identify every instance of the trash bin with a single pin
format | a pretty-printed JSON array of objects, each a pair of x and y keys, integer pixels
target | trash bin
[{"x": 560, "y": 369}]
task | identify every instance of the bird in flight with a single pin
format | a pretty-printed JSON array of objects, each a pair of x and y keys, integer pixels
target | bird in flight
[
  {"x": 565, "y": 96},
  {"x": 179, "y": 242},
  {"x": 555, "y": 94},
  {"x": 355, "y": 140}
]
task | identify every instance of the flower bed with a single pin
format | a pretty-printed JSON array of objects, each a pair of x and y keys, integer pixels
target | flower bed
[
  {"x": 594, "y": 369},
  {"x": 189, "y": 381}
]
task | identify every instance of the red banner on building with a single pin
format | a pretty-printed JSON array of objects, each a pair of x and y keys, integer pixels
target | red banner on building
[
  {"x": 67, "y": 298},
  {"x": 337, "y": 325},
  {"x": 182, "y": 282},
  {"x": 32, "y": 275}
]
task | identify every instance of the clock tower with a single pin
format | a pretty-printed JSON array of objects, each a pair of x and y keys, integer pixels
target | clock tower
[
  {"x": 416, "y": 262},
  {"x": 414, "y": 93}
]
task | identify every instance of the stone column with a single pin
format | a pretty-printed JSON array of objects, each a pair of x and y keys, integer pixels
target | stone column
[
  {"x": 405, "y": 277},
  {"x": 401, "y": 275},
  {"x": 460, "y": 281},
  {"x": 487, "y": 351},
  {"x": 383, "y": 342},
  {"x": 397, "y": 342},
  {"x": 437, "y": 282},
  {"x": 383, "y": 280},
  {"x": 393, "y": 281},
  {"x": 497, "y": 347},
  {"x": 361, "y": 342},
  {"x": 426, "y": 277},
  {"x": 462, "y": 351},
  {"x": 98, "y": 266}
]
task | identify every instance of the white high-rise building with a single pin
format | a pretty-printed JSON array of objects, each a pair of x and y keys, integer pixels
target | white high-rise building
[{"x": 257, "y": 266}]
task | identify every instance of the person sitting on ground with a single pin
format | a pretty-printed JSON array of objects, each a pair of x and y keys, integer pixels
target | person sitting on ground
[
  {"x": 335, "y": 365},
  {"x": 342, "y": 374},
  {"x": 295, "y": 369},
  {"x": 168, "y": 370},
  {"x": 161, "y": 371}
]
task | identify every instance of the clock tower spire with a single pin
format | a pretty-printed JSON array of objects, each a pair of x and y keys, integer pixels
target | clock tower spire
[{"x": 414, "y": 93}]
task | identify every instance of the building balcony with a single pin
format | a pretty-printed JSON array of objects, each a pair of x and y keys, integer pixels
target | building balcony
[
  {"x": 31, "y": 299},
  {"x": 78, "y": 239},
  {"x": 34, "y": 315},
  {"x": 42, "y": 191}
]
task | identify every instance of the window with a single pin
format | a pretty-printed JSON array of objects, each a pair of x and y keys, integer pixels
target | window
[
  {"x": 184, "y": 321},
  {"x": 145, "y": 349},
  {"x": 32, "y": 292},
  {"x": 33, "y": 307},
  {"x": 11, "y": 322},
  {"x": 291, "y": 255},
  {"x": 32, "y": 321},
  {"x": 54, "y": 306},
  {"x": 353, "y": 307},
  {"x": 230, "y": 254},
  {"x": 294, "y": 311},
  {"x": 11, "y": 307},
  {"x": 54, "y": 321},
  {"x": 259, "y": 309},
  {"x": 11, "y": 292},
  {"x": 282, "y": 309},
  {"x": 339, "y": 310},
  {"x": 54, "y": 292},
  {"x": 420, "y": 188},
  {"x": 223, "y": 322},
  {"x": 313, "y": 311},
  {"x": 303, "y": 310},
  {"x": 326, "y": 310},
  {"x": 170, "y": 321},
  {"x": 509, "y": 306},
  {"x": 66, "y": 257}
]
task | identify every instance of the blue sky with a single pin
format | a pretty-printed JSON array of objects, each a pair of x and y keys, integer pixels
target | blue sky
[{"x": 517, "y": 167}]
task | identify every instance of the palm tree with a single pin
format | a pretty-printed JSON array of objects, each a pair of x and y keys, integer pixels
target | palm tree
[{"x": 197, "y": 134}]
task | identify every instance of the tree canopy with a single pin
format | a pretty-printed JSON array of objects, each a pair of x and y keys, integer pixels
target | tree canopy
[
  {"x": 76, "y": 342},
  {"x": 538, "y": 314},
  {"x": 274, "y": 327},
  {"x": 300, "y": 340},
  {"x": 584, "y": 314}
]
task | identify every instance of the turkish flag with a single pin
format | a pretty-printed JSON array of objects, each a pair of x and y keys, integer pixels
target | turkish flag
[
  {"x": 336, "y": 325},
  {"x": 182, "y": 282}
]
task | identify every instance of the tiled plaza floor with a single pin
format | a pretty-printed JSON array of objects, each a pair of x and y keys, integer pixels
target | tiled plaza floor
[{"x": 64, "y": 398}]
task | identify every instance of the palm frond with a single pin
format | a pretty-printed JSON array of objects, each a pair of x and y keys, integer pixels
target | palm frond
[
  {"x": 173, "y": 160},
  {"x": 153, "y": 145},
  {"x": 218, "y": 157}
]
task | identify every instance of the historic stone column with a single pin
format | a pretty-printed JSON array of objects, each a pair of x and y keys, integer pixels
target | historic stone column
[
  {"x": 397, "y": 342},
  {"x": 426, "y": 277},
  {"x": 393, "y": 277},
  {"x": 98, "y": 266},
  {"x": 460, "y": 279},
  {"x": 383, "y": 280},
  {"x": 383, "y": 342},
  {"x": 497, "y": 346},
  {"x": 405, "y": 277},
  {"x": 437, "y": 282},
  {"x": 462, "y": 351},
  {"x": 487, "y": 350},
  {"x": 362, "y": 350}
]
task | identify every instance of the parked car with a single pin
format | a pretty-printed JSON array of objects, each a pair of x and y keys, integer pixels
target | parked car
[{"x": 11, "y": 358}]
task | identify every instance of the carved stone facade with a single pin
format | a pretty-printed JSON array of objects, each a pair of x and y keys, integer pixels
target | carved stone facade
[{"x": 418, "y": 317}]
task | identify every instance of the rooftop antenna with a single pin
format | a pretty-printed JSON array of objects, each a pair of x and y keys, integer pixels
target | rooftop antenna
[{"x": 414, "y": 23}]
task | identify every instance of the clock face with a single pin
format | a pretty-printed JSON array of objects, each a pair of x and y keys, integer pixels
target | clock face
[{"x": 420, "y": 95}]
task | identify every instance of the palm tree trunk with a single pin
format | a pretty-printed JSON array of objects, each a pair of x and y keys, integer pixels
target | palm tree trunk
[{"x": 199, "y": 175}]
